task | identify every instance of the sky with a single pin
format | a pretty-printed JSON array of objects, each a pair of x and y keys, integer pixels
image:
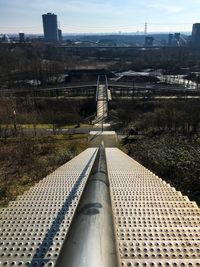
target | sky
[{"x": 100, "y": 16}]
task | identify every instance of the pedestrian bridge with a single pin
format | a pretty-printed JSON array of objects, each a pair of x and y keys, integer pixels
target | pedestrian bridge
[
  {"x": 103, "y": 96},
  {"x": 153, "y": 224}
]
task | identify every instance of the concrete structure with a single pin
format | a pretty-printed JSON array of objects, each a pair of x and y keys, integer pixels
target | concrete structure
[
  {"x": 50, "y": 26},
  {"x": 196, "y": 35}
]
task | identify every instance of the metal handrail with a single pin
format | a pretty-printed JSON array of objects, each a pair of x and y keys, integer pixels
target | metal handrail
[{"x": 90, "y": 241}]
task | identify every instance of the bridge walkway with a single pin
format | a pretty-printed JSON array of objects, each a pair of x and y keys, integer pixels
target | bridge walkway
[{"x": 102, "y": 98}]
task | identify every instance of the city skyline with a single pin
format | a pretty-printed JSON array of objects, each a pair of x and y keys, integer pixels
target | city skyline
[{"x": 92, "y": 16}]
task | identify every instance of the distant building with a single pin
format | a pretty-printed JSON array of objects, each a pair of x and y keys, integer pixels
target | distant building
[
  {"x": 177, "y": 36},
  {"x": 60, "y": 38},
  {"x": 21, "y": 37},
  {"x": 149, "y": 40},
  {"x": 170, "y": 39},
  {"x": 4, "y": 38},
  {"x": 50, "y": 26},
  {"x": 196, "y": 34},
  {"x": 175, "y": 39}
]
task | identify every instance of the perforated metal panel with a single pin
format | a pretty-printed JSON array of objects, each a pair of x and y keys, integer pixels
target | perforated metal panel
[
  {"x": 33, "y": 228},
  {"x": 155, "y": 225}
]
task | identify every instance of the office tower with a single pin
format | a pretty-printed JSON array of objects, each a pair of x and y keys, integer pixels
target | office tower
[
  {"x": 50, "y": 26},
  {"x": 196, "y": 34},
  {"x": 21, "y": 37}
]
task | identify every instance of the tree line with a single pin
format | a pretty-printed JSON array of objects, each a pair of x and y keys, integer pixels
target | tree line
[
  {"x": 159, "y": 116},
  {"x": 15, "y": 112}
]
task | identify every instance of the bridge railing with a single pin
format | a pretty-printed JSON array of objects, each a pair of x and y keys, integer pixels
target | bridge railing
[{"x": 97, "y": 91}]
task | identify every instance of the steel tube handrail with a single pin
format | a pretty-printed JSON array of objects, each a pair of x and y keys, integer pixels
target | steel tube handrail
[{"x": 90, "y": 241}]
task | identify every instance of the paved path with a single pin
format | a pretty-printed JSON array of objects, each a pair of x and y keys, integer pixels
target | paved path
[{"x": 108, "y": 138}]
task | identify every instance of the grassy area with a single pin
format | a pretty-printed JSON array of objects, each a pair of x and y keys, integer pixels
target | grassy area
[
  {"x": 23, "y": 162},
  {"x": 174, "y": 158}
]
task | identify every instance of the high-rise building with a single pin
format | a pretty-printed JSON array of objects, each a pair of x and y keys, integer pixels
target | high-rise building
[
  {"x": 196, "y": 34},
  {"x": 50, "y": 26}
]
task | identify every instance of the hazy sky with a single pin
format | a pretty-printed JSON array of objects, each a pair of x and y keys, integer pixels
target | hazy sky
[{"x": 86, "y": 16}]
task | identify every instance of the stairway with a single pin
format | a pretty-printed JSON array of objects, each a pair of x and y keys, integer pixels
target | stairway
[{"x": 155, "y": 225}]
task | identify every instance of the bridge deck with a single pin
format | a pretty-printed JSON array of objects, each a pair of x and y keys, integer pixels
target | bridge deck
[
  {"x": 155, "y": 225},
  {"x": 102, "y": 101}
]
